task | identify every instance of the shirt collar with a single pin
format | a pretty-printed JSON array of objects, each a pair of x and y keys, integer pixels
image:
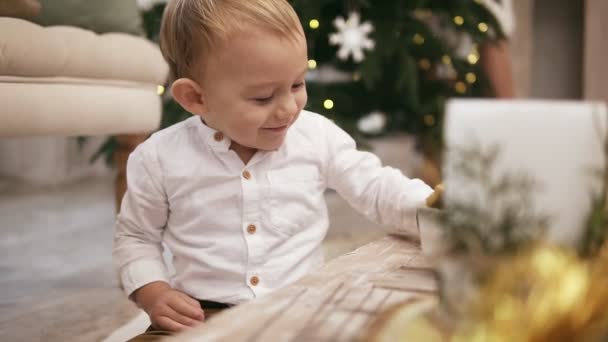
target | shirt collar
[{"x": 212, "y": 137}]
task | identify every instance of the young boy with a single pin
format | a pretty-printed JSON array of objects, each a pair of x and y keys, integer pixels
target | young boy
[{"x": 236, "y": 191}]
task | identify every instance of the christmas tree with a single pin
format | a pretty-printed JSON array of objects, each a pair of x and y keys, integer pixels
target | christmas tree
[{"x": 389, "y": 65}]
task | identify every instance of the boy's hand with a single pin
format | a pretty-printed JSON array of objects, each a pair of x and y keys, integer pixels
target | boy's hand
[
  {"x": 434, "y": 199},
  {"x": 169, "y": 309}
]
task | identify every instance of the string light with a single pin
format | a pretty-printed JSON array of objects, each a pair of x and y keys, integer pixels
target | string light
[
  {"x": 429, "y": 120},
  {"x": 418, "y": 39},
  {"x": 328, "y": 104},
  {"x": 160, "y": 90},
  {"x": 446, "y": 59},
  {"x": 356, "y": 76},
  {"x": 483, "y": 27},
  {"x": 471, "y": 77},
  {"x": 312, "y": 64},
  {"x": 314, "y": 24},
  {"x": 458, "y": 20},
  {"x": 424, "y": 64},
  {"x": 473, "y": 58},
  {"x": 460, "y": 87}
]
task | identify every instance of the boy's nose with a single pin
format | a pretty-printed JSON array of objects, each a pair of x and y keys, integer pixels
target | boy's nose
[{"x": 287, "y": 108}]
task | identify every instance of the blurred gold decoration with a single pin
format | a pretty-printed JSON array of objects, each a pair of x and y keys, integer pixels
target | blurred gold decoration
[
  {"x": 418, "y": 39},
  {"x": 603, "y": 254},
  {"x": 458, "y": 20},
  {"x": 545, "y": 294},
  {"x": 460, "y": 87},
  {"x": 356, "y": 76},
  {"x": 312, "y": 64},
  {"x": 424, "y": 64},
  {"x": 314, "y": 24},
  {"x": 483, "y": 27},
  {"x": 328, "y": 104},
  {"x": 471, "y": 77},
  {"x": 446, "y": 59}
]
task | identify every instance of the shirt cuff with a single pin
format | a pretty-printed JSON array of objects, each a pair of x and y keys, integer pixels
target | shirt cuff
[
  {"x": 415, "y": 198},
  {"x": 141, "y": 272}
]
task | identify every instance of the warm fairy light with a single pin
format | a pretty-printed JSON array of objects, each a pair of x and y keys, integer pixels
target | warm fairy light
[
  {"x": 471, "y": 77},
  {"x": 473, "y": 58},
  {"x": 160, "y": 90},
  {"x": 328, "y": 104},
  {"x": 483, "y": 27},
  {"x": 314, "y": 24},
  {"x": 312, "y": 64},
  {"x": 429, "y": 120},
  {"x": 458, "y": 20},
  {"x": 418, "y": 39},
  {"x": 460, "y": 87},
  {"x": 424, "y": 64},
  {"x": 446, "y": 59}
]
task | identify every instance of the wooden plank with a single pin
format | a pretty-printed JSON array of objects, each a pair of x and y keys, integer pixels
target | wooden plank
[{"x": 336, "y": 303}]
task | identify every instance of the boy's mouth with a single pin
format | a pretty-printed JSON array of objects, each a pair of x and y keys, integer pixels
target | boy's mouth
[{"x": 277, "y": 129}]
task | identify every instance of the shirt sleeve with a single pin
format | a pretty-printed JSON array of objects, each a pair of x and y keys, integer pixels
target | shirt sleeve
[
  {"x": 137, "y": 251},
  {"x": 383, "y": 194}
]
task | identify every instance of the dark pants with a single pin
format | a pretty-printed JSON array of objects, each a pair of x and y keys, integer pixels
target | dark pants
[{"x": 154, "y": 334}]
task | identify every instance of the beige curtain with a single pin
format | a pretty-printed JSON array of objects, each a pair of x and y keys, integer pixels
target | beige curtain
[
  {"x": 595, "y": 81},
  {"x": 521, "y": 47}
]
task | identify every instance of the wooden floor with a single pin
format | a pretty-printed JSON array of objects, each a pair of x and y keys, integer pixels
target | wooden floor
[
  {"x": 338, "y": 303},
  {"x": 56, "y": 278}
]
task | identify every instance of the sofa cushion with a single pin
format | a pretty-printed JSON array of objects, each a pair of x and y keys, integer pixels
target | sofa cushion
[
  {"x": 68, "y": 106},
  {"x": 30, "y": 50}
]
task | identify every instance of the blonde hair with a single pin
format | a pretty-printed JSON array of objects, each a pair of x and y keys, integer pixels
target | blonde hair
[{"x": 190, "y": 28}]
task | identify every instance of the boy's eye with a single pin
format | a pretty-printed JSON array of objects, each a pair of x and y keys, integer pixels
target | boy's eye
[
  {"x": 297, "y": 85},
  {"x": 263, "y": 99}
]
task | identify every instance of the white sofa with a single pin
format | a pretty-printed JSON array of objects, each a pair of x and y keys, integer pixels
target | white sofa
[{"x": 69, "y": 81}]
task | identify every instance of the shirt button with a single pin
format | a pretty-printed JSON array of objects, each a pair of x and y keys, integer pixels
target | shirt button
[
  {"x": 251, "y": 229},
  {"x": 254, "y": 280},
  {"x": 218, "y": 136},
  {"x": 246, "y": 174}
]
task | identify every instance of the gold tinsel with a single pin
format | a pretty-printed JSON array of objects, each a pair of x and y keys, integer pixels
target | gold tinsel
[{"x": 545, "y": 294}]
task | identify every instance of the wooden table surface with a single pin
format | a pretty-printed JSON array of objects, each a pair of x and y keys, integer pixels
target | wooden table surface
[{"x": 336, "y": 303}]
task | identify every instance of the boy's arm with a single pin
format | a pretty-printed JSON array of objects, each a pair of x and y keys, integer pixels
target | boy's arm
[
  {"x": 383, "y": 194},
  {"x": 137, "y": 251}
]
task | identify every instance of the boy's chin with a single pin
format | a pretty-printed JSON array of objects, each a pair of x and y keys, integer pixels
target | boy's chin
[{"x": 271, "y": 146}]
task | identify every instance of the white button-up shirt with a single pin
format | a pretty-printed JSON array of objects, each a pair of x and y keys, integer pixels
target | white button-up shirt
[{"x": 240, "y": 231}]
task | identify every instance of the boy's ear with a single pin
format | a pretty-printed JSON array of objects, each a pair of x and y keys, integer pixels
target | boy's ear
[{"x": 189, "y": 95}]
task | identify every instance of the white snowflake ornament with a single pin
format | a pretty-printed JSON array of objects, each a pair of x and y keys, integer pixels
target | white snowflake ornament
[
  {"x": 503, "y": 12},
  {"x": 352, "y": 37},
  {"x": 372, "y": 123}
]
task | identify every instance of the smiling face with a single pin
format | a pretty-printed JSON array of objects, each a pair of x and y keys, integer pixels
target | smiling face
[{"x": 253, "y": 87}]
